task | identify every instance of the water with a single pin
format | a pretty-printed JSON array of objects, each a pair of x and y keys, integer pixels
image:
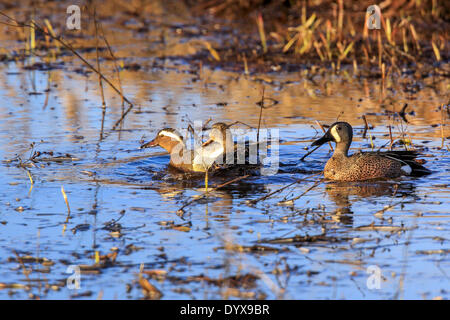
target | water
[{"x": 125, "y": 201}]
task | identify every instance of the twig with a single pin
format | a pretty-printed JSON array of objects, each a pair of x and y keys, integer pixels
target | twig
[
  {"x": 261, "y": 107},
  {"x": 390, "y": 137},
  {"x": 252, "y": 202},
  {"x": 303, "y": 158},
  {"x": 240, "y": 122},
  {"x": 366, "y": 127},
  {"x": 231, "y": 181},
  {"x": 180, "y": 211},
  {"x": 298, "y": 197},
  {"x": 442, "y": 126},
  {"x": 124, "y": 114},
  {"x": 99, "y": 77},
  {"x": 379, "y": 213},
  {"x": 25, "y": 271},
  {"x": 402, "y": 113}
]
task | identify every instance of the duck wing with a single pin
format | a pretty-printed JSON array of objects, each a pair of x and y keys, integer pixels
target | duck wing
[{"x": 406, "y": 157}]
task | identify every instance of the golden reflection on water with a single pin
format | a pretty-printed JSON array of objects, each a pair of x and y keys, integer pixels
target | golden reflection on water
[
  {"x": 172, "y": 93},
  {"x": 173, "y": 99}
]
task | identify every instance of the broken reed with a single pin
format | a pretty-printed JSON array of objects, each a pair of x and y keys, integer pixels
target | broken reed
[
  {"x": 65, "y": 200},
  {"x": 262, "y": 34},
  {"x": 442, "y": 125},
  {"x": 100, "y": 82}
]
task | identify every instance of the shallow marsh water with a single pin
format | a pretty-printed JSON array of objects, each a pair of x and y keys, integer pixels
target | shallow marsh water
[
  {"x": 112, "y": 179},
  {"x": 125, "y": 200}
]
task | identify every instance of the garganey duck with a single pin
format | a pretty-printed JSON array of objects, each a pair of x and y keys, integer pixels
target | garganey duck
[
  {"x": 198, "y": 160},
  {"x": 172, "y": 141},
  {"x": 219, "y": 147}
]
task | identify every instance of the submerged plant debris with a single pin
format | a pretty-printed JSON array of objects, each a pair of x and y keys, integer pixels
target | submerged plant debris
[{"x": 87, "y": 215}]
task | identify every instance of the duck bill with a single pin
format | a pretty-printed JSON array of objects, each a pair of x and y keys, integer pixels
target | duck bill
[
  {"x": 149, "y": 144},
  {"x": 326, "y": 138}
]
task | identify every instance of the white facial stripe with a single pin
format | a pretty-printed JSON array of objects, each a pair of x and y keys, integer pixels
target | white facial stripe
[
  {"x": 171, "y": 135},
  {"x": 335, "y": 134}
]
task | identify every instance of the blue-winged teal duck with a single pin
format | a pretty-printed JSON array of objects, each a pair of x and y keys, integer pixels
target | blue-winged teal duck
[{"x": 365, "y": 165}]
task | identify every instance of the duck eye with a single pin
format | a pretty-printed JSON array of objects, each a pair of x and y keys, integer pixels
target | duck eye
[{"x": 339, "y": 128}]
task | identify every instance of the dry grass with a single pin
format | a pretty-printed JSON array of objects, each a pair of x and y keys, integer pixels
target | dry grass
[{"x": 336, "y": 32}]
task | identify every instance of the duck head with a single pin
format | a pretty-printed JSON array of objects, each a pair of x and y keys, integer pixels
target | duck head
[
  {"x": 166, "y": 138},
  {"x": 339, "y": 132},
  {"x": 219, "y": 133},
  {"x": 219, "y": 144}
]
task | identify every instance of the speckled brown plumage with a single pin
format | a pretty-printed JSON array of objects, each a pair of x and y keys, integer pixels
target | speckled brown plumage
[
  {"x": 367, "y": 165},
  {"x": 362, "y": 166}
]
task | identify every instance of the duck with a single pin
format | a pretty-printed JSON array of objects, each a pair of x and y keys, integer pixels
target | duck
[
  {"x": 219, "y": 147},
  {"x": 363, "y": 166},
  {"x": 199, "y": 159},
  {"x": 172, "y": 141}
]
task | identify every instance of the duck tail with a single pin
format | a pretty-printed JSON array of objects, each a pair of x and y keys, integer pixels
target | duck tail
[{"x": 409, "y": 157}]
